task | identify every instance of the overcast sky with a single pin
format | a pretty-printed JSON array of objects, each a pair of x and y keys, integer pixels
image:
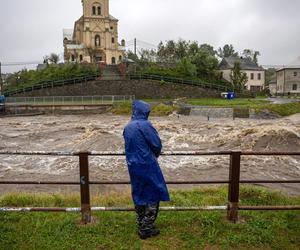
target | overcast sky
[{"x": 33, "y": 28}]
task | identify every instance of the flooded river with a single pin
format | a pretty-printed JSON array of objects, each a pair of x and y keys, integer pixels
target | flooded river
[{"x": 104, "y": 133}]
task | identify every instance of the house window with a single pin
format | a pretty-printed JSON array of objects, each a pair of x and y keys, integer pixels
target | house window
[
  {"x": 295, "y": 86},
  {"x": 73, "y": 58},
  {"x": 94, "y": 10},
  {"x": 252, "y": 76},
  {"x": 295, "y": 73},
  {"x": 81, "y": 58},
  {"x": 97, "y": 41},
  {"x": 113, "y": 60},
  {"x": 112, "y": 40},
  {"x": 259, "y": 76},
  {"x": 111, "y": 27},
  {"x": 120, "y": 58},
  {"x": 99, "y": 11}
]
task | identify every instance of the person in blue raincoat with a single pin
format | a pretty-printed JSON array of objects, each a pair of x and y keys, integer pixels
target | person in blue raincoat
[{"x": 143, "y": 147}]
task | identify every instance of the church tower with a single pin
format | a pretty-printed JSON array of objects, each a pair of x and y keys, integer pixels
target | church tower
[
  {"x": 95, "y": 36},
  {"x": 92, "y": 8}
]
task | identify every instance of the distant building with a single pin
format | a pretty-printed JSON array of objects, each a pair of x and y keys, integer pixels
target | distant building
[
  {"x": 288, "y": 79},
  {"x": 255, "y": 73},
  {"x": 95, "y": 36},
  {"x": 273, "y": 85}
]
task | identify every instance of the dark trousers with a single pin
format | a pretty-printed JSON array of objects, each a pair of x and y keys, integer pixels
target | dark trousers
[{"x": 146, "y": 216}]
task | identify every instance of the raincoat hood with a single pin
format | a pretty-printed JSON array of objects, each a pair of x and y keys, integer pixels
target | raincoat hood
[{"x": 140, "y": 110}]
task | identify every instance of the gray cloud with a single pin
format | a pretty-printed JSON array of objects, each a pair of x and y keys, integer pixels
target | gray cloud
[{"x": 32, "y": 28}]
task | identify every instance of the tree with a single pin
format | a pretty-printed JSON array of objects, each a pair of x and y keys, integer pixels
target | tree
[
  {"x": 227, "y": 51},
  {"x": 238, "y": 78},
  {"x": 52, "y": 58},
  {"x": 46, "y": 59},
  {"x": 251, "y": 55},
  {"x": 161, "y": 51},
  {"x": 130, "y": 55},
  {"x": 193, "y": 49},
  {"x": 210, "y": 49},
  {"x": 187, "y": 68},
  {"x": 270, "y": 75},
  {"x": 147, "y": 56},
  {"x": 181, "y": 49},
  {"x": 206, "y": 64}
]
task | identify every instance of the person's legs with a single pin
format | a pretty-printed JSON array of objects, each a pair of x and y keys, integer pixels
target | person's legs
[
  {"x": 140, "y": 213},
  {"x": 146, "y": 226},
  {"x": 157, "y": 210}
]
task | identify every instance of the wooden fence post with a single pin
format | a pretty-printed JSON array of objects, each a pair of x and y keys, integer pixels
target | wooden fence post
[
  {"x": 84, "y": 187},
  {"x": 234, "y": 186}
]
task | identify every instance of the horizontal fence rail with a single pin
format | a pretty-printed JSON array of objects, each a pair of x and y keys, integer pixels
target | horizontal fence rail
[
  {"x": 169, "y": 79},
  {"x": 69, "y": 100},
  {"x": 53, "y": 83},
  {"x": 84, "y": 181}
]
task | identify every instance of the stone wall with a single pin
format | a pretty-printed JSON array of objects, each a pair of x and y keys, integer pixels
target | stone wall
[
  {"x": 212, "y": 112},
  {"x": 139, "y": 88}
]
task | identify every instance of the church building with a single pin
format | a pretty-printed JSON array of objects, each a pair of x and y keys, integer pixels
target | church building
[{"x": 94, "y": 37}]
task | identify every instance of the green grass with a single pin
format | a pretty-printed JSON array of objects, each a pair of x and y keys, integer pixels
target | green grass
[
  {"x": 179, "y": 230},
  {"x": 157, "y": 110},
  {"x": 256, "y": 104},
  {"x": 219, "y": 102},
  {"x": 281, "y": 109}
]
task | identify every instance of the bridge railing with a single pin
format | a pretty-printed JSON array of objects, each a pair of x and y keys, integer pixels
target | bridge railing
[
  {"x": 69, "y": 100},
  {"x": 233, "y": 182}
]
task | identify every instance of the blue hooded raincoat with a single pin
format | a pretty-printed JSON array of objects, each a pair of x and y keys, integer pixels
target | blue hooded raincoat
[{"x": 143, "y": 146}]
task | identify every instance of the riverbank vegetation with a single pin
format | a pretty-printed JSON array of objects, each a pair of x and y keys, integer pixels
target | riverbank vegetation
[{"x": 164, "y": 107}]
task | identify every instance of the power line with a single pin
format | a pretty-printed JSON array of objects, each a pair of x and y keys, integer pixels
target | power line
[{"x": 7, "y": 64}]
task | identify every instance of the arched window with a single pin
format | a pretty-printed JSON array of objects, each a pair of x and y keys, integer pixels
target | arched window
[
  {"x": 73, "y": 58},
  {"x": 113, "y": 60},
  {"x": 97, "y": 41},
  {"x": 123, "y": 42},
  {"x": 99, "y": 11},
  {"x": 120, "y": 58},
  {"x": 81, "y": 58},
  {"x": 94, "y": 10},
  {"x": 112, "y": 40}
]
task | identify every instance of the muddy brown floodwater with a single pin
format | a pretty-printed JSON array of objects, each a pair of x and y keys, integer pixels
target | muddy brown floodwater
[{"x": 104, "y": 133}]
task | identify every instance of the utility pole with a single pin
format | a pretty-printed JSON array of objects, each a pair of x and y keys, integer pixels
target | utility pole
[{"x": 135, "y": 46}]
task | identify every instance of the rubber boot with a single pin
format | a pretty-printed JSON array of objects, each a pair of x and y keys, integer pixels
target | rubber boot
[{"x": 147, "y": 228}]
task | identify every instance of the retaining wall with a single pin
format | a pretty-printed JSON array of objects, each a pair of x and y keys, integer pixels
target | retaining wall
[{"x": 139, "y": 88}]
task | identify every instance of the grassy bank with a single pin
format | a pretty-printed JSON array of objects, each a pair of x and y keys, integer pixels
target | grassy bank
[
  {"x": 257, "y": 104},
  {"x": 183, "y": 230},
  {"x": 159, "y": 109},
  {"x": 219, "y": 102},
  {"x": 281, "y": 109}
]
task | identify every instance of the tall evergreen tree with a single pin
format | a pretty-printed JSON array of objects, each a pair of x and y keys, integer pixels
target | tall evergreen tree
[{"x": 238, "y": 78}]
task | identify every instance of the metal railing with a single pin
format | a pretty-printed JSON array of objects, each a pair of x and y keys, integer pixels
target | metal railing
[
  {"x": 69, "y": 100},
  {"x": 52, "y": 84},
  {"x": 169, "y": 79},
  {"x": 84, "y": 181},
  {"x": 99, "y": 77}
]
